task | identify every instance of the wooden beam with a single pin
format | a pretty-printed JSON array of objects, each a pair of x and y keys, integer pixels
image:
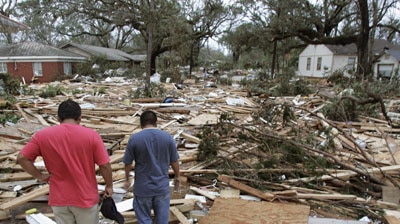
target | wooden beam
[
  {"x": 202, "y": 192},
  {"x": 25, "y": 198},
  {"x": 178, "y": 214},
  {"x": 246, "y": 188}
]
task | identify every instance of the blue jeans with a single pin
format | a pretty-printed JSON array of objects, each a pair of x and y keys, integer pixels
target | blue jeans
[{"x": 143, "y": 206}]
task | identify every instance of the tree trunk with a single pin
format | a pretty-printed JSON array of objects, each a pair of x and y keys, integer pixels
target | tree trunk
[
  {"x": 363, "y": 68},
  {"x": 273, "y": 59}
]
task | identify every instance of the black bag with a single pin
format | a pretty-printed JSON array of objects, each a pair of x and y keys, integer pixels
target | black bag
[{"x": 109, "y": 210}]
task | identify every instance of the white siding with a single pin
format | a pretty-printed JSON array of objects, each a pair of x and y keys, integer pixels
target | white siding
[
  {"x": 330, "y": 62},
  {"x": 314, "y": 52},
  {"x": 386, "y": 59}
]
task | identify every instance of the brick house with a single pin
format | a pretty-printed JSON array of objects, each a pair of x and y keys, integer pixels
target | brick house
[{"x": 29, "y": 61}]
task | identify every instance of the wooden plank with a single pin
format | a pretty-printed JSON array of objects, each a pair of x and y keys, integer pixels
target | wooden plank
[
  {"x": 202, "y": 192},
  {"x": 390, "y": 194},
  {"x": 37, "y": 116},
  {"x": 391, "y": 219},
  {"x": 182, "y": 219},
  {"x": 6, "y": 177},
  {"x": 190, "y": 138},
  {"x": 23, "y": 114},
  {"x": 345, "y": 174},
  {"x": 245, "y": 188},
  {"x": 326, "y": 196},
  {"x": 25, "y": 198},
  {"x": 232, "y": 211}
]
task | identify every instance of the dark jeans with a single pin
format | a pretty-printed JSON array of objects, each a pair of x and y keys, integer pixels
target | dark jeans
[{"x": 160, "y": 205}]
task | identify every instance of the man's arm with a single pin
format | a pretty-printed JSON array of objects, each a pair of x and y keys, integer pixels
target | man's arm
[
  {"x": 175, "y": 168},
  {"x": 106, "y": 172},
  {"x": 128, "y": 168},
  {"x": 30, "y": 168}
]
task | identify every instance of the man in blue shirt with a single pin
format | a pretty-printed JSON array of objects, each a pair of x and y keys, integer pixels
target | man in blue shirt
[{"x": 153, "y": 151}]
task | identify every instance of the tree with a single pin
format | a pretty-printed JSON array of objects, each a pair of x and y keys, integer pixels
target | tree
[
  {"x": 7, "y": 9},
  {"x": 328, "y": 22},
  {"x": 239, "y": 40}
]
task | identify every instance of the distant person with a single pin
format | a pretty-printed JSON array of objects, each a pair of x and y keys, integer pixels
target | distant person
[
  {"x": 205, "y": 73},
  {"x": 153, "y": 151},
  {"x": 70, "y": 152}
]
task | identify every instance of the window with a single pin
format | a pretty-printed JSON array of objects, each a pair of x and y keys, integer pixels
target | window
[
  {"x": 37, "y": 69},
  {"x": 351, "y": 63},
  {"x": 319, "y": 62},
  {"x": 3, "y": 67},
  {"x": 308, "y": 64},
  {"x": 385, "y": 70},
  {"x": 67, "y": 68}
]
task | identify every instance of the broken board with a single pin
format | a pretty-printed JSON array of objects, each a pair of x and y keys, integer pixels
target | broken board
[{"x": 235, "y": 211}]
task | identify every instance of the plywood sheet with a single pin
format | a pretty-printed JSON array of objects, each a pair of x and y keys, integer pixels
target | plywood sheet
[{"x": 238, "y": 211}]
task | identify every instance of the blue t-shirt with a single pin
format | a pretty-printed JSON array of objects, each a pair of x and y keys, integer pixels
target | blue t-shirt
[{"x": 152, "y": 150}]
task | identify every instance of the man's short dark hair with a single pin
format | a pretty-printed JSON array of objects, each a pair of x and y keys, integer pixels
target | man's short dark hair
[
  {"x": 69, "y": 109},
  {"x": 148, "y": 117}
]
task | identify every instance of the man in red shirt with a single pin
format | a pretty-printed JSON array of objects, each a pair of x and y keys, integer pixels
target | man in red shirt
[{"x": 70, "y": 152}]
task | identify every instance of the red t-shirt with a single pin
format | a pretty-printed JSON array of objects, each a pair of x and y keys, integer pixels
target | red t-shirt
[{"x": 70, "y": 152}]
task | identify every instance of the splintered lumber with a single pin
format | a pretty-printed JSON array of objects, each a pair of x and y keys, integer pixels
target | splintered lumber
[
  {"x": 25, "y": 198},
  {"x": 245, "y": 188},
  {"x": 112, "y": 121},
  {"x": 178, "y": 214},
  {"x": 327, "y": 196},
  {"x": 232, "y": 210},
  {"x": 345, "y": 174},
  {"x": 6, "y": 177},
  {"x": 190, "y": 138},
  {"x": 39, "y": 117},
  {"x": 172, "y": 110},
  {"x": 391, "y": 219},
  {"x": 202, "y": 192},
  {"x": 23, "y": 114}
]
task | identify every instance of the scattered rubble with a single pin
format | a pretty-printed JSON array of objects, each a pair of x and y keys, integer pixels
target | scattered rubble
[{"x": 244, "y": 157}]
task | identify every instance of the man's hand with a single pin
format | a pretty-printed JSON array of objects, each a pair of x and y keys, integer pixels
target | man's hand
[
  {"x": 44, "y": 177},
  {"x": 127, "y": 185},
  {"x": 108, "y": 191},
  {"x": 177, "y": 183}
]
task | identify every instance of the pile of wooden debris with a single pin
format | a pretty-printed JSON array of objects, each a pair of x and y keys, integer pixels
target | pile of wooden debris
[{"x": 245, "y": 159}]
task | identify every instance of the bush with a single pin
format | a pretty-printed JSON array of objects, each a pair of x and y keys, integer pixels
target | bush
[
  {"x": 11, "y": 84},
  {"x": 51, "y": 91}
]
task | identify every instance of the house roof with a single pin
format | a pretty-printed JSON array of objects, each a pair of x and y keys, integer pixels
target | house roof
[
  {"x": 348, "y": 49},
  {"x": 110, "y": 53},
  {"x": 8, "y": 25},
  {"x": 33, "y": 49},
  {"x": 351, "y": 49}
]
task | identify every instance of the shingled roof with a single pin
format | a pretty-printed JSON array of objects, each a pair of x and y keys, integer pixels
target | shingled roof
[
  {"x": 351, "y": 49},
  {"x": 109, "y": 53},
  {"x": 33, "y": 49}
]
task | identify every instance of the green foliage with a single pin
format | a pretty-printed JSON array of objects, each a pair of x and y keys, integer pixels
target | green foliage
[
  {"x": 51, "y": 91},
  {"x": 224, "y": 81},
  {"x": 338, "y": 78},
  {"x": 343, "y": 108},
  {"x": 11, "y": 85},
  {"x": 152, "y": 90},
  {"x": 171, "y": 73},
  {"x": 288, "y": 86},
  {"x": 100, "y": 90},
  {"x": 10, "y": 117},
  {"x": 209, "y": 145}
]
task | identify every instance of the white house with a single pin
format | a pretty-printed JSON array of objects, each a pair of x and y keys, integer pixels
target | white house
[
  {"x": 386, "y": 64},
  {"x": 322, "y": 60}
]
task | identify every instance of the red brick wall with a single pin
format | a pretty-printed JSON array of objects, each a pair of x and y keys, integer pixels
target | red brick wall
[{"x": 25, "y": 69}]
